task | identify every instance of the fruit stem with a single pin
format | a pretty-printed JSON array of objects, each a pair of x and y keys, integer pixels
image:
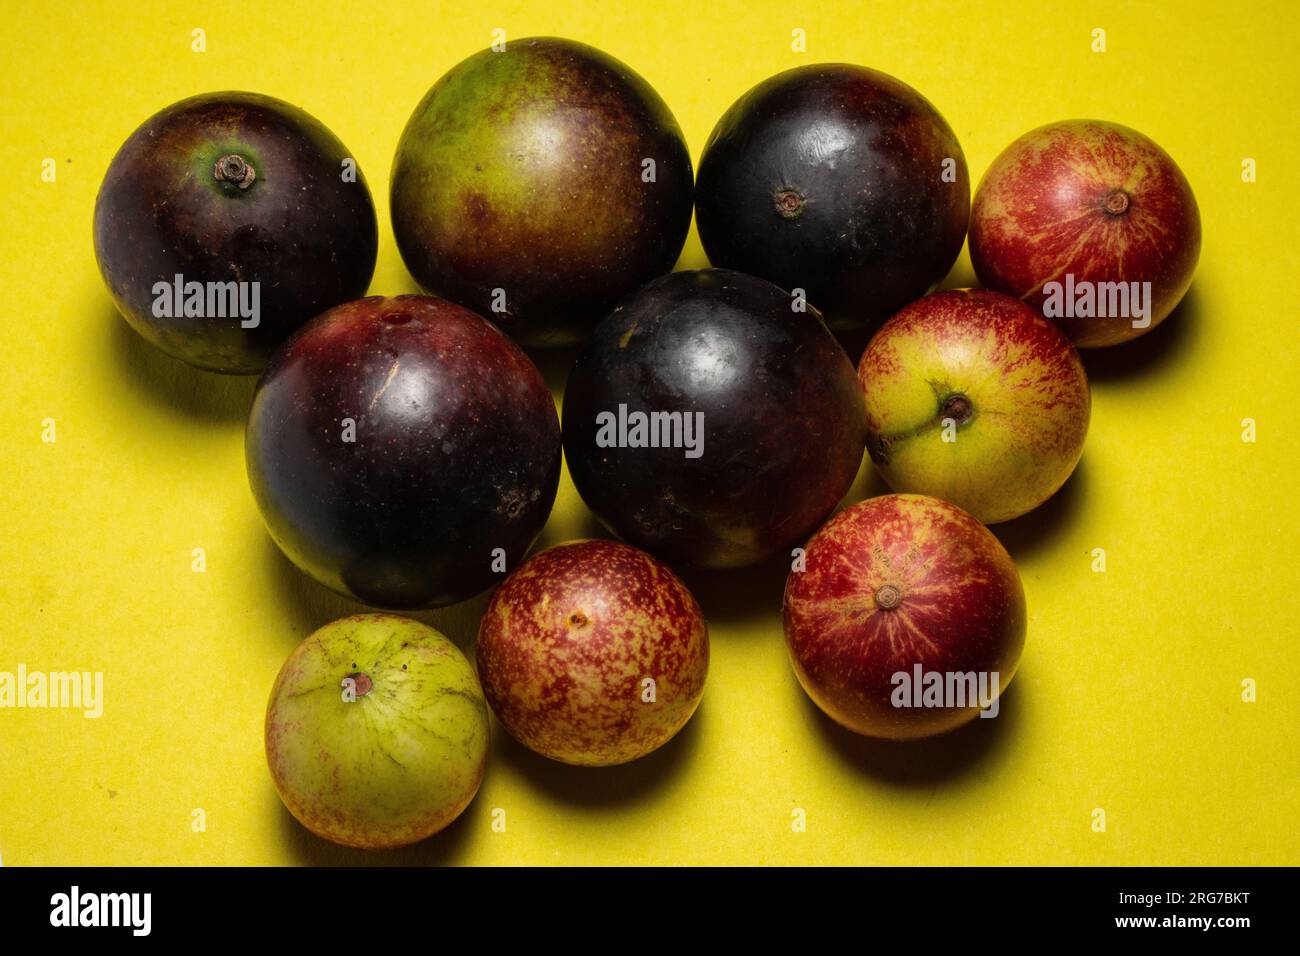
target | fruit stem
[
  {"x": 958, "y": 408},
  {"x": 361, "y": 684},
  {"x": 234, "y": 169},
  {"x": 888, "y": 596},
  {"x": 1117, "y": 202},
  {"x": 789, "y": 202}
]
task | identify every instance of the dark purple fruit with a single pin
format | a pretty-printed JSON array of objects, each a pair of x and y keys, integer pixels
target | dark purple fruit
[
  {"x": 769, "y": 389},
  {"x": 838, "y": 180},
  {"x": 539, "y": 185},
  {"x": 395, "y": 443},
  {"x": 232, "y": 188}
]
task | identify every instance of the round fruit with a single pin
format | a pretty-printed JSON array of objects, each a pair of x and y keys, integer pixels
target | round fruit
[
  {"x": 376, "y": 732},
  {"x": 593, "y": 653},
  {"x": 710, "y": 423},
  {"x": 227, "y": 221},
  {"x": 908, "y": 619},
  {"x": 539, "y": 185},
  {"x": 841, "y": 181},
  {"x": 1088, "y": 209},
  {"x": 975, "y": 398},
  {"x": 395, "y": 444}
]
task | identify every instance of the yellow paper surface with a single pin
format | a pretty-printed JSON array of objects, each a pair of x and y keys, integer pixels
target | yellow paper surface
[{"x": 1129, "y": 698}]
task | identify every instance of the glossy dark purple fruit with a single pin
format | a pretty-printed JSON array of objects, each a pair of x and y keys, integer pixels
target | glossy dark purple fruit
[
  {"x": 768, "y": 388},
  {"x": 235, "y": 188},
  {"x": 539, "y": 185},
  {"x": 395, "y": 443},
  {"x": 838, "y": 180}
]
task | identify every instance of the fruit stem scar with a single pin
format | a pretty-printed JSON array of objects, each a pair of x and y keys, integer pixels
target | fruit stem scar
[
  {"x": 578, "y": 619},
  {"x": 234, "y": 169},
  {"x": 789, "y": 202},
  {"x": 888, "y": 596},
  {"x": 957, "y": 407},
  {"x": 361, "y": 684},
  {"x": 1116, "y": 202}
]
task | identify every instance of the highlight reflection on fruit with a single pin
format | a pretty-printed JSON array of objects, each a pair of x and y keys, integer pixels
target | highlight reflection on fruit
[
  {"x": 593, "y": 653},
  {"x": 904, "y": 585},
  {"x": 839, "y": 180},
  {"x": 770, "y": 397},
  {"x": 234, "y": 188},
  {"x": 1096, "y": 202},
  {"x": 396, "y": 444},
  {"x": 975, "y": 398},
  {"x": 539, "y": 185},
  {"x": 376, "y": 732}
]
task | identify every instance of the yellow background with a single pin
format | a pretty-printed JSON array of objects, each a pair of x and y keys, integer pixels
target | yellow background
[{"x": 1129, "y": 697}]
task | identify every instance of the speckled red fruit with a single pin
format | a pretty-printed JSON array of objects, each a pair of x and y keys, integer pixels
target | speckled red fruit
[
  {"x": 395, "y": 444},
  {"x": 593, "y": 653},
  {"x": 892, "y": 583},
  {"x": 1091, "y": 199}
]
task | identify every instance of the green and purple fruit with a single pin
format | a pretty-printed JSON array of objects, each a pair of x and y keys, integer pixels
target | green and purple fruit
[
  {"x": 376, "y": 732},
  {"x": 539, "y": 185},
  {"x": 228, "y": 220}
]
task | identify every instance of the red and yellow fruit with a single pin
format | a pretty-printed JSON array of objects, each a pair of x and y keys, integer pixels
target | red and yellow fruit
[
  {"x": 593, "y": 653},
  {"x": 1093, "y": 200},
  {"x": 891, "y": 584},
  {"x": 975, "y": 398}
]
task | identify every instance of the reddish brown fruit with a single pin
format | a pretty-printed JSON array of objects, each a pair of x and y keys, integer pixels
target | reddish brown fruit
[
  {"x": 395, "y": 444},
  {"x": 246, "y": 197},
  {"x": 894, "y": 584},
  {"x": 593, "y": 653},
  {"x": 1099, "y": 203}
]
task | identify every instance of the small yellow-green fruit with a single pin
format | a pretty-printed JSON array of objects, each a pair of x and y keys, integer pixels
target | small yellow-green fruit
[{"x": 376, "y": 732}]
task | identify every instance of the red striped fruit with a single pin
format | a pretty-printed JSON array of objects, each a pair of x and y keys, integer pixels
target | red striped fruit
[
  {"x": 593, "y": 653},
  {"x": 975, "y": 398},
  {"x": 1094, "y": 207},
  {"x": 892, "y": 591}
]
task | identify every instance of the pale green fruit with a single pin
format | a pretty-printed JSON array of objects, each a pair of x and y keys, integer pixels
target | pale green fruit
[{"x": 376, "y": 732}]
